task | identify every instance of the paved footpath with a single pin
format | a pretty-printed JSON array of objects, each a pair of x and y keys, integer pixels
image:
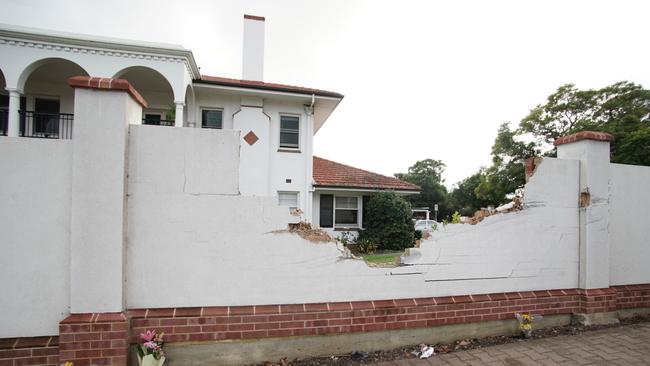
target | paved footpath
[{"x": 627, "y": 345}]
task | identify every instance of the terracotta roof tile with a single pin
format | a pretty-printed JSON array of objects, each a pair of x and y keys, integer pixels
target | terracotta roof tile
[
  {"x": 328, "y": 173},
  {"x": 252, "y": 84}
]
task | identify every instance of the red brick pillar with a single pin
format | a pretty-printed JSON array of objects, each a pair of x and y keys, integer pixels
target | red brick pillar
[{"x": 94, "y": 339}]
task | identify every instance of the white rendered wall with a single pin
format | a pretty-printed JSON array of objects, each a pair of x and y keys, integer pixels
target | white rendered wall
[
  {"x": 35, "y": 232},
  {"x": 536, "y": 248},
  {"x": 225, "y": 252},
  {"x": 266, "y": 125},
  {"x": 628, "y": 225},
  {"x": 254, "y": 162},
  {"x": 594, "y": 216},
  {"x": 98, "y": 216}
]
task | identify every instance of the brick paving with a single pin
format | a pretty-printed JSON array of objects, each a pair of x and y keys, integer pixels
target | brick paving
[{"x": 626, "y": 345}]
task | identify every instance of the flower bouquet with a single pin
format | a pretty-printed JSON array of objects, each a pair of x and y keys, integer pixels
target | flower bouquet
[
  {"x": 526, "y": 321},
  {"x": 150, "y": 352}
]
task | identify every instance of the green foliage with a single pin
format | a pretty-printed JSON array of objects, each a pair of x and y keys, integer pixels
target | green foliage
[
  {"x": 364, "y": 245},
  {"x": 455, "y": 218},
  {"x": 418, "y": 234},
  {"x": 621, "y": 109},
  {"x": 489, "y": 186},
  {"x": 390, "y": 224},
  {"x": 428, "y": 175},
  {"x": 463, "y": 197}
]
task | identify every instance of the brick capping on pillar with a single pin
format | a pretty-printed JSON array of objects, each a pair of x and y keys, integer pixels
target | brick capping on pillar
[
  {"x": 584, "y": 135},
  {"x": 107, "y": 84},
  {"x": 94, "y": 339},
  {"x": 29, "y": 351}
]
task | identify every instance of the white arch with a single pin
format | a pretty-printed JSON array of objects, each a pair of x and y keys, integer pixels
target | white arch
[
  {"x": 190, "y": 106},
  {"x": 27, "y": 71},
  {"x": 3, "y": 80},
  {"x": 125, "y": 70}
]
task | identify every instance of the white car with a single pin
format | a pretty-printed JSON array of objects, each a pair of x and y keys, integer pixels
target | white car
[{"x": 426, "y": 225}]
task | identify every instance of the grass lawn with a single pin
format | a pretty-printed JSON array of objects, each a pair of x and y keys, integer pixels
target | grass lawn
[{"x": 384, "y": 258}]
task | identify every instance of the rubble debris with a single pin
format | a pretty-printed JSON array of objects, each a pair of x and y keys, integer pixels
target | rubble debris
[
  {"x": 530, "y": 166},
  {"x": 426, "y": 351},
  {"x": 514, "y": 205},
  {"x": 410, "y": 352},
  {"x": 305, "y": 231}
]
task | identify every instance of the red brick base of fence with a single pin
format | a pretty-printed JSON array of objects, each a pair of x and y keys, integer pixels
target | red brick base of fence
[
  {"x": 103, "y": 339},
  {"x": 29, "y": 351},
  {"x": 94, "y": 339}
]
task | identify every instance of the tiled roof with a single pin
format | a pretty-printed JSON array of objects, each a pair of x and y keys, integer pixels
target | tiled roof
[
  {"x": 252, "y": 84},
  {"x": 328, "y": 173}
]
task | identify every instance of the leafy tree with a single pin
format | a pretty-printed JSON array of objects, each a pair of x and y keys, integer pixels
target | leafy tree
[
  {"x": 507, "y": 171},
  {"x": 463, "y": 197},
  {"x": 428, "y": 175},
  {"x": 390, "y": 224},
  {"x": 621, "y": 109}
]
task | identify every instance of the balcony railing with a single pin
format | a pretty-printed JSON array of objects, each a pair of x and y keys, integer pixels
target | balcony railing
[
  {"x": 158, "y": 122},
  {"x": 4, "y": 121},
  {"x": 46, "y": 125}
]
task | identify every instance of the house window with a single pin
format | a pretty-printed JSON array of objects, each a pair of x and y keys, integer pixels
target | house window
[
  {"x": 289, "y": 132},
  {"x": 289, "y": 199},
  {"x": 346, "y": 211},
  {"x": 212, "y": 118}
]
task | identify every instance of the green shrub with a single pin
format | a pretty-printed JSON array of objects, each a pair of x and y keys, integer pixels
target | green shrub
[
  {"x": 390, "y": 224},
  {"x": 455, "y": 218},
  {"x": 365, "y": 246},
  {"x": 418, "y": 234}
]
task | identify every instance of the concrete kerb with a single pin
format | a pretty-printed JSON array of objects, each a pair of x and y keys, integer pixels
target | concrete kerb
[
  {"x": 608, "y": 318},
  {"x": 631, "y": 313},
  {"x": 269, "y": 349}
]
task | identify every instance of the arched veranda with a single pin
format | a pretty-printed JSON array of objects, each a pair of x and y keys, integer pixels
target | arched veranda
[
  {"x": 47, "y": 104},
  {"x": 156, "y": 90}
]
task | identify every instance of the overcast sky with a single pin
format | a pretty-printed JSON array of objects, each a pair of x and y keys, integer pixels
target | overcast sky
[{"x": 421, "y": 79}]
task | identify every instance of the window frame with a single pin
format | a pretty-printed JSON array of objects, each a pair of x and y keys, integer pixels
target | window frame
[
  {"x": 213, "y": 109},
  {"x": 289, "y": 148},
  {"x": 358, "y": 209},
  {"x": 296, "y": 193}
]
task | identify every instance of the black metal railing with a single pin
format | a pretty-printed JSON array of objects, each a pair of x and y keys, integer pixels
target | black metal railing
[
  {"x": 158, "y": 122},
  {"x": 4, "y": 121},
  {"x": 46, "y": 125}
]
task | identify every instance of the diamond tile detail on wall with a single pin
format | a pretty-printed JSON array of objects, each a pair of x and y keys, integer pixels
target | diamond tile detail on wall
[{"x": 251, "y": 138}]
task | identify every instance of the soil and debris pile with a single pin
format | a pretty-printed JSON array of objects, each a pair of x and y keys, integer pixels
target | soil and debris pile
[{"x": 305, "y": 231}]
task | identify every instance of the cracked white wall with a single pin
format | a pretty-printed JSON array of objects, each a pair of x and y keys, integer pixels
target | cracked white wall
[{"x": 190, "y": 249}]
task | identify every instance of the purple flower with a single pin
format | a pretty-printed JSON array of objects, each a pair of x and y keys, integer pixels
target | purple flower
[
  {"x": 151, "y": 345},
  {"x": 148, "y": 335}
]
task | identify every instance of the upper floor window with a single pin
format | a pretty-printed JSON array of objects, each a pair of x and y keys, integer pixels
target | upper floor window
[
  {"x": 211, "y": 118},
  {"x": 289, "y": 132}
]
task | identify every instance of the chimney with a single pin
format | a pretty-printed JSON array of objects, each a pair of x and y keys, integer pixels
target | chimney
[{"x": 253, "y": 55}]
